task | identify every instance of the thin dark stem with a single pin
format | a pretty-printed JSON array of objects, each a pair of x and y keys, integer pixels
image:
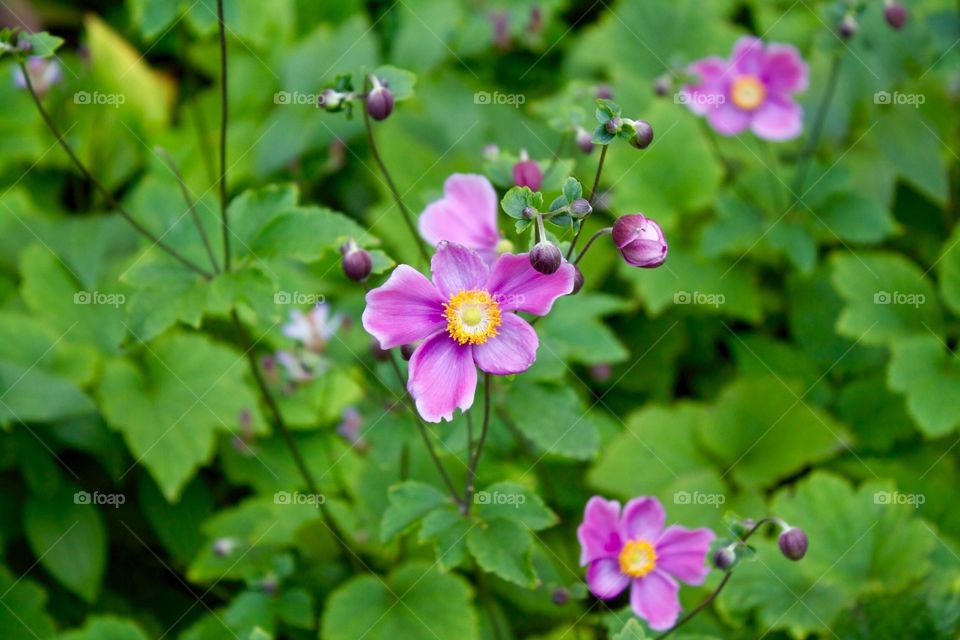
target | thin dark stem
[
  {"x": 223, "y": 137},
  {"x": 593, "y": 194},
  {"x": 599, "y": 233},
  {"x": 407, "y": 215},
  {"x": 806, "y": 155},
  {"x": 168, "y": 160},
  {"x": 281, "y": 425},
  {"x": 425, "y": 434},
  {"x": 111, "y": 201},
  {"x": 475, "y": 460}
]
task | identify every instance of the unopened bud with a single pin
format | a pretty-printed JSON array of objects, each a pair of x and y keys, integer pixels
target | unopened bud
[
  {"x": 604, "y": 92},
  {"x": 793, "y": 543},
  {"x": 643, "y": 136},
  {"x": 357, "y": 263},
  {"x": 379, "y": 100},
  {"x": 406, "y": 351},
  {"x": 580, "y": 207},
  {"x": 724, "y": 558},
  {"x": 613, "y": 125},
  {"x": 895, "y": 14},
  {"x": 663, "y": 85},
  {"x": 577, "y": 280},
  {"x": 331, "y": 99},
  {"x": 560, "y": 596},
  {"x": 529, "y": 212},
  {"x": 584, "y": 140},
  {"x": 848, "y": 27},
  {"x": 545, "y": 257}
]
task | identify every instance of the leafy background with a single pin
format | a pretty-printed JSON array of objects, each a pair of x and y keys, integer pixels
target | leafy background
[{"x": 798, "y": 395}]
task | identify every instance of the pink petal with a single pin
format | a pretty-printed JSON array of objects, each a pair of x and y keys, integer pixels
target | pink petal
[
  {"x": 682, "y": 553},
  {"x": 404, "y": 309},
  {"x": 466, "y": 214},
  {"x": 728, "y": 120},
  {"x": 710, "y": 91},
  {"x": 512, "y": 350},
  {"x": 456, "y": 268},
  {"x": 779, "y": 118},
  {"x": 442, "y": 377},
  {"x": 654, "y": 598},
  {"x": 599, "y": 533},
  {"x": 517, "y": 286},
  {"x": 747, "y": 57},
  {"x": 643, "y": 519},
  {"x": 784, "y": 71},
  {"x": 605, "y": 580}
]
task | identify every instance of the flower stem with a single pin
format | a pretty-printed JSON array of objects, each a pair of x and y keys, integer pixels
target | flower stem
[
  {"x": 806, "y": 155},
  {"x": 281, "y": 425},
  {"x": 425, "y": 434},
  {"x": 111, "y": 201},
  {"x": 172, "y": 165},
  {"x": 223, "y": 137},
  {"x": 598, "y": 234},
  {"x": 475, "y": 459},
  {"x": 593, "y": 194},
  {"x": 407, "y": 215}
]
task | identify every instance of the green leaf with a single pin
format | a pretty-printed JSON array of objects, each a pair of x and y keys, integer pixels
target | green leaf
[
  {"x": 414, "y": 602},
  {"x": 106, "y": 628},
  {"x": 606, "y": 109},
  {"x": 575, "y": 332},
  {"x": 42, "y": 44},
  {"x": 912, "y": 146},
  {"x": 23, "y": 617},
  {"x": 519, "y": 198},
  {"x": 602, "y": 136},
  {"x": 409, "y": 502},
  {"x": 170, "y": 403},
  {"x": 887, "y": 297},
  {"x": 509, "y": 500},
  {"x": 554, "y": 419},
  {"x": 503, "y": 547},
  {"x": 447, "y": 529},
  {"x": 948, "y": 268},
  {"x": 856, "y": 218},
  {"x": 35, "y": 395},
  {"x": 633, "y": 630},
  {"x": 572, "y": 189},
  {"x": 928, "y": 374},
  {"x": 399, "y": 81},
  {"x": 68, "y": 538},
  {"x": 306, "y": 234}
]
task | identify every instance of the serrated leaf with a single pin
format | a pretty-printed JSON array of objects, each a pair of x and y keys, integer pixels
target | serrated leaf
[
  {"x": 106, "y": 628},
  {"x": 513, "y": 501},
  {"x": 517, "y": 199},
  {"x": 409, "y": 502},
  {"x": 928, "y": 375},
  {"x": 399, "y": 81},
  {"x": 572, "y": 189},
  {"x": 554, "y": 419},
  {"x": 447, "y": 529},
  {"x": 42, "y": 44},
  {"x": 503, "y": 547}
]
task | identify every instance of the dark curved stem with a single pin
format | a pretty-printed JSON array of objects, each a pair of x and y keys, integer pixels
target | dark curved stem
[
  {"x": 111, "y": 201},
  {"x": 598, "y": 234},
  {"x": 223, "y": 137},
  {"x": 407, "y": 215},
  {"x": 188, "y": 198},
  {"x": 593, "y": 195},
  {"x": 816, "y": 131},
  {"x": 475, "y": 459}
]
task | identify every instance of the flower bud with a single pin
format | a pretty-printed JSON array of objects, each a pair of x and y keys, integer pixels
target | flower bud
[
  {"x": 643, "y": 136},
  {"x": 584, "y": 140},
  {"x": 895, "y": 14},
  {"x": 331, "y": 99},
  {"x": 613, "y": 125},
  {"x": 560, "y": 596},
  {"x": 526, "y": 173},
  {"x": 379, "y": 100},
  {"x": 580, "y": 208},
  {"x": 640, "y": 241},
  {"x": 663, "y": 85},
  {"x": 848, "y": 27},
  {"x": 357, "y": 262},
  {"x": 545, "y": 257},
  {"x": 604, "y": 92},
  {"x": 793, "y": 543},
  {"x": 724, "y": 558},
  {"x": 224, "y": 546},
  {"x": 529, "y": 213},
  {"x": 577, "y": 280},
  {"x": 269, "y": 584},
  {"x": 406, "y": 351}
]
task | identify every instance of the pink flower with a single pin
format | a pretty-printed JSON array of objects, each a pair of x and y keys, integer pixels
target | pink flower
[
  {"x": 640, "y": 241},
  {"x": 466, "y": 215},
  {"x": 526, "y": 173},
  {"x": 753, "y": 89},
  {"x": 633, "y": 549},
  {"x": 466, "y": 319}
]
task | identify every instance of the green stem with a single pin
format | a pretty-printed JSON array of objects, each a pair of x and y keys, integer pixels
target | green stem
[
  {"x": 593, "y": 194},
  {"x": 816, "y": 131},
  {"x": 168, "y": 160},
  {"x": 223, "y": 137},
  {"x": 111, "y": 201},
  {"x": 598, "y": 234},
  {"x": 475, "y": 459}
]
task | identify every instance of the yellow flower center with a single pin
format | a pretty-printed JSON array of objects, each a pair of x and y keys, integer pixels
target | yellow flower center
[
  {"x": 637, "y": 558},
  {"x": 747, "y": 92},
  {"x": 472, "y": 316}
]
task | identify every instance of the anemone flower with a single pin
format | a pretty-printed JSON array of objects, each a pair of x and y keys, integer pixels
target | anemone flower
[{"x": 466, "y": 215}]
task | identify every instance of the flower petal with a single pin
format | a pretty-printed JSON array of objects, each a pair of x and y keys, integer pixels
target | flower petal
[
  {"x": 404, "y": 309},
  {"x": 682, "y": 553},
  {"x": 512, "y": 350},
  {"x": 747, "y": 57},
  {"x": 710, "y": 92},
  {"x": 654, "y": 598},
  {"x": 643, "y": 519},
  {"x": 784, "y": 71},
  {"x": 456, "y": 268},
  {"x": 779, "y": 118},
  {"x": 517, "y": 286},
  {"x": 605, "y": 580},
  {"x": 466, "y": 214},
  {"x": 728, "y": 120},
  {"x": 599, "y": 533},
  {"x": 442, "y": 377}
]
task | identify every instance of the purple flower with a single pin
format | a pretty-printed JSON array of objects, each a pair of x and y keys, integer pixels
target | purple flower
[
  {"x": 633, "y": 549},
  {"x": 44, "y": 74},
  {"x": 466, "y": 319},
  {"x": 753, "y": 89},
  {"x": 640, "y": 241},
  {"x": 526, "y": 173},
  {"x": 465, "y": 215}
]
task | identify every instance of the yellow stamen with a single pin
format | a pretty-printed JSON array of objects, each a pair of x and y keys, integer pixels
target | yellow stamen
[
  {"x": 747, "y": 92},
  {"x": 472, "y": 316},
  {"x": 637, "y": 558}
]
